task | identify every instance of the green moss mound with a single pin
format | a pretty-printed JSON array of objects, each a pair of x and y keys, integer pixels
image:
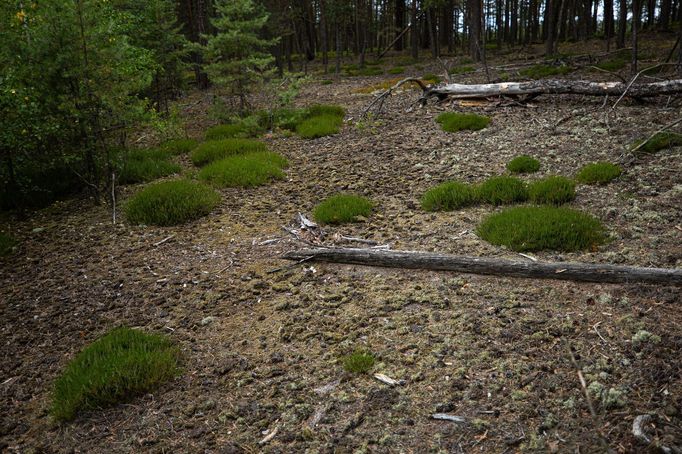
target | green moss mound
[
  {"x": 215, "y": 150},
  {"x": 523, "y": 164},
  {"x": 503, "y": 190},
  {"x": 341, "y": 209},
  {"x": 660, "y": 141},
  {"x": 142, "y": 166},
  {"x": 242, "y": 129},
  {"x": 171, "y": 203},
  {"x": 430, "y": 79},
  {"x": 463, "y": 69},
  {"x": 7, "y": 244},
  {"x": 178, "y": 146},
  {"x": 449, "y": 196},
  {"x": 613, "y": 64},
  {"x": 247, "y": 170},
  {"x": 553, "y": 190},
  {"x": 319, "y": 126},
  {"x": 325, "y": 109},
  {"x": 540, "y": 71},
  {"x": 396, "y": 70},
  {"x": 358, "y": 362},
  {"x": 598, "y": 173},
  {"x": 542, "y": 228},
  {"x": 115, "y": 368},
  {"x": 453, "y": 121}
]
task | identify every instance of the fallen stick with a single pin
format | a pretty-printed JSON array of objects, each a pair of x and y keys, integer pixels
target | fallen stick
[{"x": 478, "y": 265}]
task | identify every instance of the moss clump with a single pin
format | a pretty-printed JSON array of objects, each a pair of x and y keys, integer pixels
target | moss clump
[
  {"x": 553, "y": 190},
  {"x": 115, "y": 368},
  {"x": 463, "y": 69},
  {"x": 540, "y": 71},
  {"x": 449, "y": 196},
  {"x": 598, "y": 173},
  {"x": 142, "y": 166},
  {"x": 215, "y": 150},
  {"x": 503, "y": 190},
  {"x": 319, "y": 126},
  {"x": 613, "y": 64},
  {"x": 453, "y": 121},
  {"x": 396, "y": 70},
  {"x": 659, "y": 142},
  {"x": 523, "y": 164},
  {"x": 7, "y": 244},
  {"x": 542, "y": 228},
  {"x": 247, "y": 170},
  {"x": 341, "y": 209},
  {"x": 430, "y": 79},
  {"x": 178, "y": 146},
  {"x": 358, "y": 362},
  {"x": 325, "y": 109},
  {"x": 171, "y": 203},
  {"x": 642, "y": 337},
  {"x": 242, "y": 129}
]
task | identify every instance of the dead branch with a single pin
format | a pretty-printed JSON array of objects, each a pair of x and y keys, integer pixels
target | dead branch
[{"x": 382, "y": 97}]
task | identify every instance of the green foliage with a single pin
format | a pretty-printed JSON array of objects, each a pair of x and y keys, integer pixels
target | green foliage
[
  {"x": 523, "y": 164},
  {"x": 319, "y": 126},
  {"x": 660, "y": 141},
  {"x": 245, "y": 170},
  {"x": 171, "y": 203},
  {"x": 396, "y": 70},
  {"x": 454, "y": 121},
  {"x": 431, "y": 79},
  {"x": 613, "y": 64},
  {"x": 326, "y": 82},
  {"x": 115, "y": 368},
  {"x": 178, "y": 146},
  {"x": 141, "y": 166},
  {"x": 542, "y": 228},
  {"x": 7, "y": 244},
  {"x": 245, "y": 128},
  {"x": 358, "y": 362},
  {"x": 552, "y": 190},
  {"x": 449, "y": 196},
  {"x": 462, "y": 69},
  {"x": 503, "y": 190},
  {"x": 540, "y": 71},
  {"x": 214, "y": 150},
  {"x": 341, "y": 209},
  {"x": 326, "y": 109},
  {"x": 598, "y": 173}
]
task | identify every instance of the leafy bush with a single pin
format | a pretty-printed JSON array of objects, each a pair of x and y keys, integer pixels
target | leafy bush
[
  {"x": 358, "y": 362},
  {"x": 171, "y": 203},
  {"x": 219, "y": 149},
  {"x": 540, "y": 71},
  {"x": 7, "y": 244},
  {"x": 598, "y": 173},
  {"x": 247, "y": 170},
  {"x": 503, "y": 190},
  {"x": 396, "y": 70},
  {"x": 141, "y": 166},
  {"x": 319, "y": 126},
  {"x": 542, "y": 228},
  {"x": 660, "y": 141},
  {"x": 552, "y": 190},
  {"x": 242, "y": 129},
  {"x": 115, "y": 368},
  {"x": 523, "y": 164},
  {"x": 453, "y": 121},
  {"x": 342, "y": 208},
  {"x": 449, "y": 196},
  {"x": 178, "y": 146}
]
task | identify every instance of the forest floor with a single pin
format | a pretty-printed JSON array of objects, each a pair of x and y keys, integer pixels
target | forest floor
[{"x": 261, "y": 351}]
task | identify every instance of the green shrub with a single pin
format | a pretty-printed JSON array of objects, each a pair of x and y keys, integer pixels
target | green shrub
[
  {"x": 503, "y": 190},
  {"x": 462, "y": 69},
  {"x": 453, "y": 121},
  {"x": 115, "y": 368},
  {"x": 171, "y": 203},
  {"x": 449, "y": 196},
  {"x": 553, "y": 190},
  {"x": 219, "y": 149},
  {"x": 396, "y": 70},
  {"x": 358, "y": 362},
  {"x": 598, "y": 173},
  {"x": 141, "y": 166},
  {"x": 178, "y": 146},
  {"x": 523, "y": 164},
  {"x": 542, "y": 228},
  {"x": 242, "y": 129},
  {"x": 540, "y": 71},
  {"x": 660, "y": 141},
  {"x": 247, "y": 170},
  {"x": 342, "y": 208},
  {"x": 319, "y": 126},
  {"x": 7, "y": 244}
]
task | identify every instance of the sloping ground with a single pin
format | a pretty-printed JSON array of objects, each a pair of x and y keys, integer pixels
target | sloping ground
[{"x": 261, "y": 351}]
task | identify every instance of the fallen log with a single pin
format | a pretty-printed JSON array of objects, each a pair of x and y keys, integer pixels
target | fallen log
[{"x": 492, "y": 266}]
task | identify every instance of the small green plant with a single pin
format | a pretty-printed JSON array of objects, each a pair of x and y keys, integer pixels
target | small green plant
[
  {"x": 453, "y": 121},
  {"x": 242, "y": 129},
  {"x": 552, "y": 190},
  {"x": 358, "y": 362},
  {"x": 178, "y": 146},
  {"x": 396, "y": 70},
  {"x": 141, "y": 166},
  {"x": 542, "y": 228},
  {"x": 540, "y": 71},
  {"x": 319, "y": 126},
  {"x": 342, "y": 208},
  {"x": 462, "y": 69},
  {"x": 115, "y": 368},
  {"x": 219, "y": 149},
  {"x": 247, "y": 170},
  {"x": 659, "y": 142},
  {"x": 171, "y": 203},
  {"x": 449, "y": 196},
  {"x": 503, "y": 190},
  {"x": 523, "y": 164},
  {"x": 598, "y": 173},
  {"x": 7, "y": 244}
]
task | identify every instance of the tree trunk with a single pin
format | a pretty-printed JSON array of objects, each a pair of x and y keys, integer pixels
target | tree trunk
[
  {"x": 550, "y": 25},
  {"x": 474, "y": 22},
  {"x": 414, "y": 32},
  {"x": 636, "y": 8},
  {"x": 399, "y": 23},
  {"x": 622, "y": 23},
  {"x": 608, "y": 23},
  {"x": 583, "y": 272}
]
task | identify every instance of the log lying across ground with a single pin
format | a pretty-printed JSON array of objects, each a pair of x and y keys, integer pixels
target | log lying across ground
[{"x": 474, "y": 265}]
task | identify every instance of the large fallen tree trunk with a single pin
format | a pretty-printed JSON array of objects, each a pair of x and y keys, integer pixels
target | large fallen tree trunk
[
  {"x": 474, "y": 265},
  {"x": 554, "y": 87}
]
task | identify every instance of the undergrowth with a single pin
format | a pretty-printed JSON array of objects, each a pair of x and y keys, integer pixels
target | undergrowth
[
  {"x": 241, "y": 129},
  {"x": 523, "y": 164},
  {"x": 7, "y": 244},
  {"x": 319, "y": 126},
  {"x": 454, "y": 121},
  {"x": 178, "y": 146},
  {"x": 598, "y": 173},
  {"x": 502, "y": 190},
  {"x": 449, "y": 196},
  {"x": 659, "y": 142},
  {"x": 552, "y": 190},
  {"x": 358, "y": 362},
  {"x": 341, "y": 209},
  {"x": 214, "y": 150},
  {"x": 141, "y": 166},
  {"x": 246, "y": 170}
]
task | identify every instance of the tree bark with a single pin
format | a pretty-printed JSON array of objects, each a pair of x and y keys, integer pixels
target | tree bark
[
  {"x": 622, "y": 23},
  {"x": 583, "y": 272}
]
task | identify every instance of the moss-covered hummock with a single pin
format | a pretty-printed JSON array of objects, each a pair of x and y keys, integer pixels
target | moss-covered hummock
[
  {"x": 552, "y": 190},
  {"x": 454, "y": 121},
  {"x": 503, "y": 190},
  {"x": 245, "y": 170},
  {"x": 342, "y": 208},
  {"x": 215, "y": 150},
  {"x": 358, "y": 362},
  {"x": 449, "y": 196},
  {"x": 523, "y": 164},
  {"x": 598, "y": 173}
]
